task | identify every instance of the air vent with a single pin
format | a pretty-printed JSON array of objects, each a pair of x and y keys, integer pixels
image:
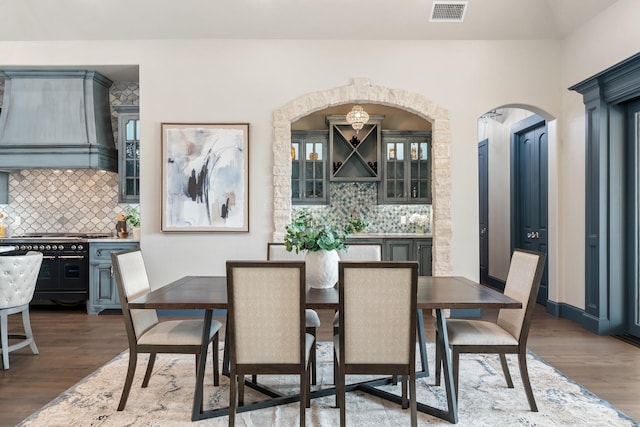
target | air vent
[{"x": 448, "y": 11}]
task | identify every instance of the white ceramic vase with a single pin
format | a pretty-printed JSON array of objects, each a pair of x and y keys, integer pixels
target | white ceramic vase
[
  {"x": 136, "y": 233},
  {"x": 322, "y": 268}
]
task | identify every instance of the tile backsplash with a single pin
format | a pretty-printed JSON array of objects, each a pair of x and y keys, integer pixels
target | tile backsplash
[
  {"x": 361, "y": 199},
  {"x": 62, "y": 201}
]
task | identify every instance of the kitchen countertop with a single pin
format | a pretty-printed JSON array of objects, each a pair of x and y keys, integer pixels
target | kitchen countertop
[
  {"x": 391, "y": 236},
  {"x": 112, "y": 240}
]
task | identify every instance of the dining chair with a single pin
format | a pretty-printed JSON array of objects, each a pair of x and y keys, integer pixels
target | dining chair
[
  {"x": 373, "y": 252},
  {"x": 148, "y": 335},
  {"x": 267, "y": 330},
  {"x": 278, "y": 252},
  {"x": 508, "y": 335},
  {"x": 377, "y": 306},
  {"x": 361, "y": 252},
  {"x": 19, "y": 275}
]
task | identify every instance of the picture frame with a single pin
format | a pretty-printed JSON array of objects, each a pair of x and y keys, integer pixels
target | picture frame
[{"x": 205, "y": 177}]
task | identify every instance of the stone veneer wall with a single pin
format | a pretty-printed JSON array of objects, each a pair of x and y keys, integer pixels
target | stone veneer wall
[
  {"x": 361, "y": 90},
  {"x": 80, "y": 200}
]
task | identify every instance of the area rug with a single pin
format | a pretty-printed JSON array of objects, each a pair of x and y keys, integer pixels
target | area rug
[{"x": 484, "y": 398}]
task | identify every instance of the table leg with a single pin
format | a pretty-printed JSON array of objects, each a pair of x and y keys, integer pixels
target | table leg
[
  {"x": 423, "y": 343},
  {"x": 202, "y": 363},
  {"x": 443, "y": 343}
]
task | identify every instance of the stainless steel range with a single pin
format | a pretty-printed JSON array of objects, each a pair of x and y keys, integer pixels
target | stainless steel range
[{"x": 64, "y": 275}]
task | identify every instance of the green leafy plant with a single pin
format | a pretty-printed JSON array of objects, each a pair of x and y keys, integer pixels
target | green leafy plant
[
  {"x": 133, "y": 217},
  {"x": 357, "y": 225},
  {"x": 303, "y": 234}
]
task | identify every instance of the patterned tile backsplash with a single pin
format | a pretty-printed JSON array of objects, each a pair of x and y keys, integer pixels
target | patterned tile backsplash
[
  {"x": 62, "y": 201},
  {"x": 360, "y": 199}
]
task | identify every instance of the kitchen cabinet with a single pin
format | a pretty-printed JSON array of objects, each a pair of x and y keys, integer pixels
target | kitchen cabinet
[
  {"x": 406, "y": 166},
  {"x": 4, "y": 188},
  {"x": 309, "y": 167},
  {"x": 406, "y": 249},
  {"x": 103, "y": 291},
  {"x": 355, "y": 156},
  {"x": 128, "y": 153}
]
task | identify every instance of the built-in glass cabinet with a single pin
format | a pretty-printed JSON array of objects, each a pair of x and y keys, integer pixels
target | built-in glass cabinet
[
  {"x": 309, "y": 167},
  {"x": 407, "y": 167},
  {"x": 128, "y": 153}
]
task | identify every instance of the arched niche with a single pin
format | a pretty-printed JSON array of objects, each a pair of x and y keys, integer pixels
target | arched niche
[{"x": 361, "y": 90}]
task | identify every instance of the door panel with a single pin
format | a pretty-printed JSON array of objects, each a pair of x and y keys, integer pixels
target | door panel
[
  {"x": 483, "y": 203},
  {"x": 529, "y": 192},
  {"x": 632, "y": 279}
]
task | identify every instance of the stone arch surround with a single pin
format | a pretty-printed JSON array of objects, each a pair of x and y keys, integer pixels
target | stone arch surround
[{"x": 361, "y": 90}]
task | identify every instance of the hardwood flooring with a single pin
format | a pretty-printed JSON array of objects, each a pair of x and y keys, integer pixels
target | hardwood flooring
[{"x": 72, "y": 345}]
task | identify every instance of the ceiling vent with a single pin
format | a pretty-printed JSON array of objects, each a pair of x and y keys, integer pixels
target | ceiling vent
[{"x": 448, "y": 11}]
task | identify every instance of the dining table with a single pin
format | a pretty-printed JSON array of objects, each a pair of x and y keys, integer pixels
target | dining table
[{"x": 437, "y": 293}]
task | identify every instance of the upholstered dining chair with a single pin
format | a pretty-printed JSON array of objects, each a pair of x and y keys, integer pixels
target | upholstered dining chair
[
  {"x": 148, "y": 335},
  {"x": 361, "y": 252},
  {"x": 18, "y": 276},
  {"x": 278, "y": 252},
  {"x": 267, "y": 329},
  {"x": 508, "y": 335},
  {"x": 377, "y": 306}
]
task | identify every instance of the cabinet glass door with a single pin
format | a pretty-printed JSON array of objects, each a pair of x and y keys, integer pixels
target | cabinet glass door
[
  {"x": 132, "y": 157},
  {"x": 295, "y": 171},
  {"x": 395, "y": 170},
  {"x": 314, "y": 170},
  {"x": 420, "y": 173}
]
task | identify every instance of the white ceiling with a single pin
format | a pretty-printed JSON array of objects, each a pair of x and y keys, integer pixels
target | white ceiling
[{"x": 289, "y": 19}]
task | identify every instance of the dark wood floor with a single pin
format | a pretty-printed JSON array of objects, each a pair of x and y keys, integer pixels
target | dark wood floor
[{"x": 72, "y": 345}]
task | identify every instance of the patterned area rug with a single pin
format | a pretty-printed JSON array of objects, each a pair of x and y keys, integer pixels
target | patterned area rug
[{"x": 484, "y": 398}]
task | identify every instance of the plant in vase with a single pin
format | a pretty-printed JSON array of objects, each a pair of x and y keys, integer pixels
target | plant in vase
[
  {"x": 321, "y": 241},
  {"x": 357, "y": 225},
  {"x": 421, "y": 221},
  {"x": 133, "y": 219}
]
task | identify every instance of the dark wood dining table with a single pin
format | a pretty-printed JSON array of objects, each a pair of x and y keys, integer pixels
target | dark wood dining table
[{"x": 439, "y": 293}]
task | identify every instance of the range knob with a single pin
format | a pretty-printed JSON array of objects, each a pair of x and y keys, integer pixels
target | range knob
[
  {"x": 28, "y": 247},
  {"x": 41, "y": 247},
  {"x": 60, "y": 247},
  {"x": 48, "y": 247},
  {"x": 73, "y": 247},
  {"x": 80, "y": 247},
  {"x": 23, "y": 248}
]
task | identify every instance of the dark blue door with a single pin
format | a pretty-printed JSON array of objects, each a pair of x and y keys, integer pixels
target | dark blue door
[
  {"x": 483, "y": 199},
  {"x": 529, "y": 191}
]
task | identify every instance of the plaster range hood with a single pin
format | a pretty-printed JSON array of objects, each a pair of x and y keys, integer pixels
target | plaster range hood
[{"x": 56, "y": 119}]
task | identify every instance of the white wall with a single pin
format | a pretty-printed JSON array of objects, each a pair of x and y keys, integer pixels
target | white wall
[
  {"x": 611, "y": 37},
  {"x": 244, "y": 81}
]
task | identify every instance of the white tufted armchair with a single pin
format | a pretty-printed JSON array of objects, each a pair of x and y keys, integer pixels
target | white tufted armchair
[{"x": 18, "y": 275}]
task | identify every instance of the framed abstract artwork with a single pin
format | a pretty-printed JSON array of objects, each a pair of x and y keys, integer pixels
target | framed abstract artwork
[{"x": 205, "y": 177}]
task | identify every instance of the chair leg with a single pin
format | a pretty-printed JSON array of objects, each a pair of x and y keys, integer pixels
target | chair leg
[
  {"x": 131, "y": 370},
  {"x": 312, "y": 356},
  {"x": 413, "y": 400},
  {"x": 524, "y": 373},
  {"x": 240, "y": 390},
  {"x": 232, "y": 397},
  {"x": 405, "y": 399},
  {"x": 505, "y": 369},
  {"x": 4, "y": 339},
  {"x": 147, "y": 374},
  {"x": 304, "y": 392},
  {"x": 26, "y": 323},
  {"x": 216, "y": 368},
  {"x": 341, "y": 400}
]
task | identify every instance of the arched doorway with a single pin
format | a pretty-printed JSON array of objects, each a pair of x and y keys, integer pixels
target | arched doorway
[{"x": 361, "y": 90}]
